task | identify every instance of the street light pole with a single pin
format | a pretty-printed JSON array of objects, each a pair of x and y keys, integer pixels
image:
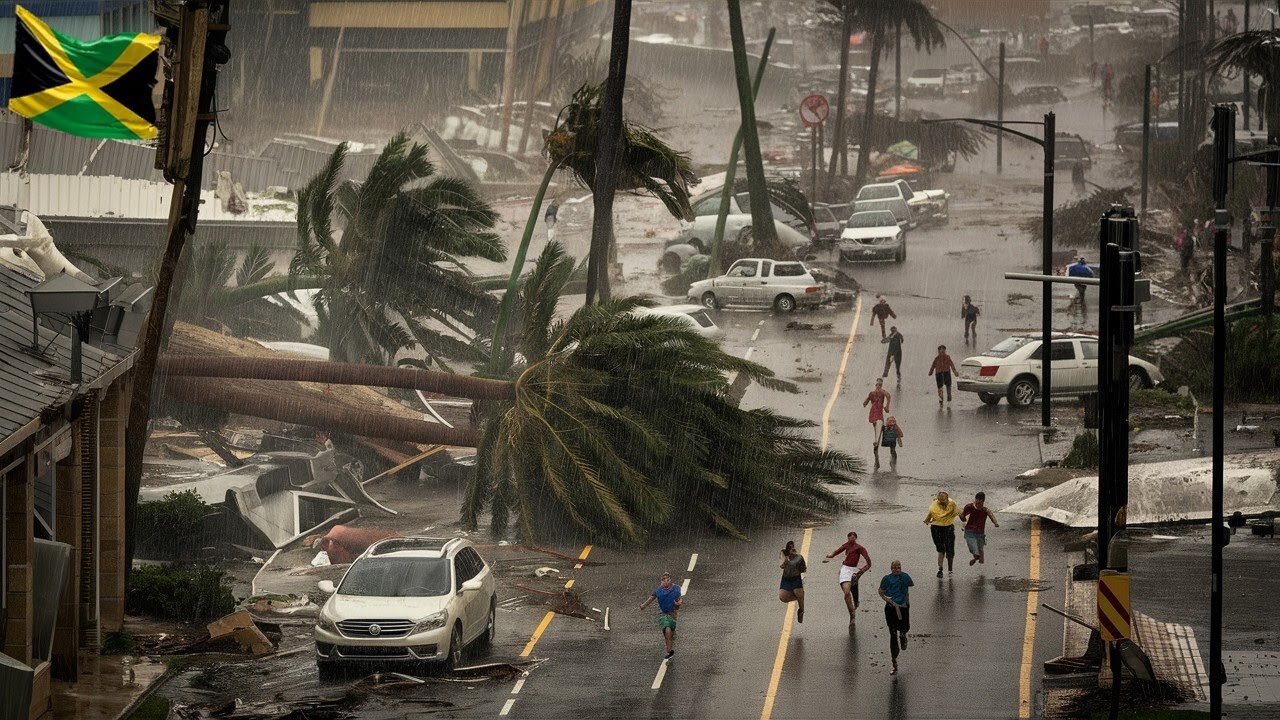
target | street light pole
[
  {"x": 1046, "y": 305},
  {"x": 1146, "y": 140},
  {"x": 1000, "y": 114},
  {"x": 1223, "y": 137}
]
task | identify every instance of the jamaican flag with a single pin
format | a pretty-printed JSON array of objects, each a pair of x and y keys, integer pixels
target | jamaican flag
[{"x": 98, "y": 89}]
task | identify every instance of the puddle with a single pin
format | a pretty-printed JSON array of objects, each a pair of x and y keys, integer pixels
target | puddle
[{"x": 1008, "y": 583}]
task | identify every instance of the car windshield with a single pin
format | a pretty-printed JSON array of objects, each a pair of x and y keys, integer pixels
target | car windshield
[
  {"x": 788, "y": 270},
  {"x": 1007, "y": 347},
  {"x": 397, "y": 577},
  {"x": 872, "y": 218},
  {"x": 877, "y": 192},
  {"x": 702, "y": 319}
]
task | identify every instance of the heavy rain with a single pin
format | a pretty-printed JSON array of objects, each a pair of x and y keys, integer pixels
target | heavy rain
[{"x": 523, "y": 358}]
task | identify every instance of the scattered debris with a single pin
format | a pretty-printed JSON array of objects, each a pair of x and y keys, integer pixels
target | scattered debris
[
  {"x": 793, "y": 325},
  {"x": 240, "y": 627},
  {"x": 545, "y": 571},
  {"x": 1017, "y": 298}
]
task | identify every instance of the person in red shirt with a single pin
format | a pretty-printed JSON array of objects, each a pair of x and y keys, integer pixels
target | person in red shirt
[
  {"x": 941, "y": 370},
  {"x": 850, "y": 571},
  {"x": 975, "y": 516},
  {"x": 879, "y": 399}
]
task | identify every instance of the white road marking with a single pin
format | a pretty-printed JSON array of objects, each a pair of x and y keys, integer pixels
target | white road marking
[
  {"x": 662, "y": 672},
  {"x": 606, "y": 619},
  {"x": 507, "y": 708},
  {"x": 755, "y": 335},
  {"x": 693, "y": 560},
  {"x": 684, "y": 589},
  {"x": 519, "y": 686},
  {"x": 747, "y": 355}
]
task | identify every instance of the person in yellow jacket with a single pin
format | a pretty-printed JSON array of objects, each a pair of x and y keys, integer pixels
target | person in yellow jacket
[{"x": 941, "y": 520}]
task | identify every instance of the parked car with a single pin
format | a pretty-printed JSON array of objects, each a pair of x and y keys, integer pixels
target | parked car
[
  {"x": 963, "y": 76},
  {"x": 829, "y": 220},
  {"x": 873, "y": 235},
  {"x": 1070, "y": 149},
  {"x": 793, "y": 231},
  {"x": 927, "y": 81},
  {"x": 761, "y": 282},
  {"x": 695, "y": 316},
  {"x": 930, "y": 205},
  {"x": 1129, "y": 136},
  {"x": 1012, "y": 368},
  {"x": 415, "y": 600},
  {"x": 1039, "y": 95}
]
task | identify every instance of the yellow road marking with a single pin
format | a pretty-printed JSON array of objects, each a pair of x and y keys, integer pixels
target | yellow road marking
[
  {"x": 1029, "y": 635},
  {"x": 844, "y": 365},
  {"x": 780, "y": 657},
  {"x": 546, "y": 619}
]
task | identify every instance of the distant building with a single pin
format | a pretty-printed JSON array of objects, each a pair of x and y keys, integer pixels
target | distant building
[
  {"x": 62, "y": 502},
  {"x": 992, "y": 14}
]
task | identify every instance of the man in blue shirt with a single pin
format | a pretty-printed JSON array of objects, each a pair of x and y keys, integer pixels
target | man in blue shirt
[
  {"x": 668, "y": 596},
  {"x": 1080, "y": 269},
  {"x": 894, "y": 590}
]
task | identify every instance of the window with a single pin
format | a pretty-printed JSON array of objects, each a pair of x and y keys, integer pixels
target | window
[
  {"x": 878, "y": 192},
  {"x": 1090, "y": 349},
  {"x": 397, "y": 577},
  {"x": 764, "y": 268},
  {"x": 710, "y": 206},
  {"x": 872, "y": 218},
  {"x": 1061, "y": 350},
  {"x": 702, "y": 319},
  {"x": 1008, "y": 347},
  {"x": 788, "y": 270},
  {"x": 743, "y": 270},
  {"x": 467, "y": 565}
]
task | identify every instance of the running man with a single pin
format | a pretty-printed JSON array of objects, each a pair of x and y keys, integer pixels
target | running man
[
  {"x": 792, "y": 586},
  {"x": 894, "y": 354},
  {"x": 882, "y": 312},
  {"x": 891, "y": 437},
  {"x": 941, "y": 520},
  {"x": 669, "y": 601},
  {"x": 1081, "y": 269},
  {"x": 941, "y": 370},
  {"x": 879, "y": 399},
  {"x": 970, "y": 313},
  {"x": 895, "y": 591},
  {"x": 850, "y": 572},
  {"x": 975, "y": 516}
]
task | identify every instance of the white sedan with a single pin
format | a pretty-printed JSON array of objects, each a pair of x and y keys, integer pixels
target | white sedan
[
  {"x": 695, "y": 316},
  {"x": 1011, "y": 369},
  {"x": 700, "y": 231}
]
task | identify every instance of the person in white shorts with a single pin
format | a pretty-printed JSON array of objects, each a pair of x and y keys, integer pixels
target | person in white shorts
[{"x": 850, "y": 571}]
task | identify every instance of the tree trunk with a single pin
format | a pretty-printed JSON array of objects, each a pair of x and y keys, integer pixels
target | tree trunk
[
  {"x": 609, "y": 154},
  {"x": 497, "y": 361},
  {"x": 869, "y": 113},
  {"x": 324, "y": 416},
  {"x": 538, "y": 85},
  {"x": 897, "y": 72},
  {"x": 762, "y": 227},
  {"x": 838, "y": 143},
  {"x": 335, "y": 373}
]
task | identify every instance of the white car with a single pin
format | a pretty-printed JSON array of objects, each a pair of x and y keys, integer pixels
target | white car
[
  {"x": 695, "y": 316},
  {"x": 873, "y": 235},
  {"x": 761, "y": 282},
  {"x": 1011, "y": 369},
  {"x": 928, "y": 81},
  {"x": 410, "y": 599},
  {"x": 926, "y": 205},
  {"x": 706, "y": 207}
]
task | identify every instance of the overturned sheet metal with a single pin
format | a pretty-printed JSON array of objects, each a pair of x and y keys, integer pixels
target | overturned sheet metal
[{"x": 1172, "y": 491}]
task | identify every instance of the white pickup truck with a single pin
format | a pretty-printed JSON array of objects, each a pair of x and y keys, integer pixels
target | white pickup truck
[{"x": 927, "y": 206}]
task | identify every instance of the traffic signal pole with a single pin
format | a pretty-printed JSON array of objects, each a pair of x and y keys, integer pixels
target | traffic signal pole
[
  {"x": 1046, "y": 304},
  {"x": 1224, "y": 123},
  {"x": 1117, "y": 307}
]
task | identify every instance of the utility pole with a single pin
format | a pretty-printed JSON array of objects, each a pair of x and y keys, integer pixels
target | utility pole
[
  {"x": 1046, "y": 306},
  {"x": 1245, "y": 75},
  {"x": 1146, "y": 139},
  {"x": 1000, "y": 113},
  {"x": 897, "y": 73},
  {"x": 1224, "y": 127}
]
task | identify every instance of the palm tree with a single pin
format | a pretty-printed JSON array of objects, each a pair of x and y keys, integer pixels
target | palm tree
[
  {"x": 880, "y": 18},
  {"x": 608, "y": 161},
  {"x": 244, "y": 310},
  {"x": 387, "y": 257},
  {"x": 839, "y": 146},
  {"x": 622, "y": 424}
]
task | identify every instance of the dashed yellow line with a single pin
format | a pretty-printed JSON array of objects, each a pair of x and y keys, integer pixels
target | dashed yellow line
[
  {"x": 1029, "y": 634},
  {"x": 780, "y": 658},
  {"x": 546, "y": 619}
]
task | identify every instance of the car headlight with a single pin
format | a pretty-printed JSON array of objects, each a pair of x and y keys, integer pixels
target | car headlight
[
  {"x": 326, "y": 623},
  {"x": 431, "y": 622}
]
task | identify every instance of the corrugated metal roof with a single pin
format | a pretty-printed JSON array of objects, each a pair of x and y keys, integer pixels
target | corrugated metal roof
[
  {"x": 89, "y": 196},
  {"x": 27, "y": 380}
]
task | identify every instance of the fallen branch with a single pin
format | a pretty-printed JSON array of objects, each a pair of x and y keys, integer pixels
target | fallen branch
[{"x": 562, "y": 556}]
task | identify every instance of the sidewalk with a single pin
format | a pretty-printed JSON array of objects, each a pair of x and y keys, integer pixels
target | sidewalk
[{"x": 108, "y": 686}]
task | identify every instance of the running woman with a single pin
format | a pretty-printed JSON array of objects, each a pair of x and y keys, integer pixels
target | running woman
[
  {"x": 894, "y": 355},
  {"x": 895, "y": 590},
  {"x": 850, "y": 572},
  {"x": 669, "y": 601},
  {"x": 891, "y": 437},
  {"x": 970, "y": 313},
  {"x": 975, "y": 516},
  {"x": 941, "y": 370},
  {"x": 941, "y": 520},
  {"x": 882, "y": 312},
  {"x": 792, "y": 586},
  {"x": 879, "y": 399}
]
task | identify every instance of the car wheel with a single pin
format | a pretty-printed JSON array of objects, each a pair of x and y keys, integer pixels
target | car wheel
[
  {"x": 1138, "y": 379},
  {"x": 1023, "y": 392},
  {"x": 784, "y": 304},
  {"x": 697, "y": 243},
  {"x": 490, "y": 629},
  {"x": 989, "y": 398},
  {"x": 326, "y": 670},
  {"x": 455, "y": 649},
  {"x": 709, "y": 301}
]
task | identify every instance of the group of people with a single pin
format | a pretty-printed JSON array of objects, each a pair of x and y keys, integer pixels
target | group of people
[{"x": 1189, "y": 239}]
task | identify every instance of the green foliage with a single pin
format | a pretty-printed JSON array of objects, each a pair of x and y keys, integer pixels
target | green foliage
[
  {"x": 622, "y": 424},
  {"x": 187, "y": 593},
  {"x": 1142, "y": 399},
  {"x": 1084, "y": 451},
  {"x": 118, "y": 643},
  {"x": 208, "y": 300},
  {"x": 1077, "y": 221},
  {"x": 1252, "y": 374},
  {"x": 166, "y": 528},
  {"x": 153, "y": 708},
  {"x": 649, "y": 165},
  {"x": 397, "y": 279}
]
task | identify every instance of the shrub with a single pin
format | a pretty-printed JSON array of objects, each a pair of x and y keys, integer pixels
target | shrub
[
  {"x": 187, "y": 593},
  {"x": 1251, "y": 372},
  {"x": 1084, "y": 452},
  {"x": 171, "y": 528}
]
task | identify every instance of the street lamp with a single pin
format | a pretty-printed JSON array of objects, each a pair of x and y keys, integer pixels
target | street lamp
[
  {"x": 71, "y": 299},
  {"x": 1046, "y": 308}
]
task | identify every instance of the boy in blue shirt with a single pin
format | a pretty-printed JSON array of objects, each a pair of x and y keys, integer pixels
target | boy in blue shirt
[
  {"x": 668, "y": 596},
  {"x": 894, "y": 590}
]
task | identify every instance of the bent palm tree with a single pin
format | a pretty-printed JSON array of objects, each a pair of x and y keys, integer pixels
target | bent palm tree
[
  {"x": 388, "y": 258},
  {"x": 622, "y": 423},
  {"x": 879, "y": 18},
  {"x": 244, "y": 310}
]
